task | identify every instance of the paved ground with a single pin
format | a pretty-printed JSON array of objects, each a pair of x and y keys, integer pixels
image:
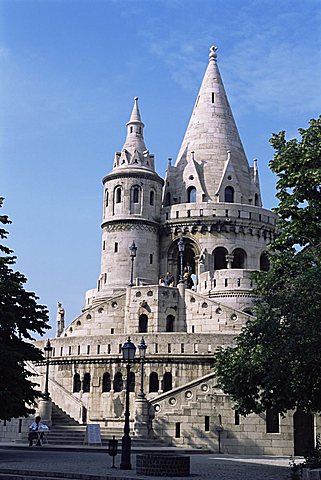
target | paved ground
[{"x": 203, "y": 466}]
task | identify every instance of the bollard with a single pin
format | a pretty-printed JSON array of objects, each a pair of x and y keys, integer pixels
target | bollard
[{"x": 113, "y": 449}]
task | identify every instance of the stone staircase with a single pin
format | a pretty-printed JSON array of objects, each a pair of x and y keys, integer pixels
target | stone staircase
[{"x": 66, "y": 431}]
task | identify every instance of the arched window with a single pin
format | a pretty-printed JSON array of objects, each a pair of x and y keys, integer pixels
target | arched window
[
  {"x": 191, "y": 195},
  {"x": 131, "y": 381},
  {"x": 167, "y": 382},
  {"x": 264, "y": 262},
  {"x": 220, "y": 258},
  {"x": 106, "y": 382},
  {"x": 151, "y": 197},
  {"x": 256, "y": 199},
  {"x": 170, "y": 320},
  {"x": 239, "y": 260},
  {"x": 118, "y": 382},
  {"x": 143, "y": 323},
  {"x": 153, "y": 382},
  {"x": 229, "y": 195},
  {"x": 76, "y": 383},
  {"x": 86, "y": 383},
  {"x": 168, "y": 199},
  {"x": 118, "y": 195},
  {"x": 106, "y": 198},
  {"x": 136, "y": 195}
]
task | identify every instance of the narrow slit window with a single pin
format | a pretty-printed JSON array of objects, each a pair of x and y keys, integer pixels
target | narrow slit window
[
  {"x": 118, "y": 195},
  {"x": 136, "y": 195},
  {"x": 207, "y": 423},
  {"x": 116, "y": 247},
  {"x": 236, "y": 417},
  {"x": 213, "y": 97}
]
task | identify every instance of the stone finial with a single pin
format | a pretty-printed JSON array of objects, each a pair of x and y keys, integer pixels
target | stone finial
[{"x": 213, "y": 54}]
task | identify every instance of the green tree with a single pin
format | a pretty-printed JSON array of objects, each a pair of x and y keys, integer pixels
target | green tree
[
  {"x": 276, "y": 360},
  {"x": 20, "y": 315}
]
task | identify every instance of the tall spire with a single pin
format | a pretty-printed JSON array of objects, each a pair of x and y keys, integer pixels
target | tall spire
[
  {"x": 134, "y": 152},
  {"x": 211, "y": 133},
  {"x": 135, "y": 116}
]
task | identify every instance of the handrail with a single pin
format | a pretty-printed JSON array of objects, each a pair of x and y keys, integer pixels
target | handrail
[{"x": 62, "y": 397}]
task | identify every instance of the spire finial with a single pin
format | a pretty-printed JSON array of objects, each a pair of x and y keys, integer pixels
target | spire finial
[
  {"x": 213, "y": 54},
  {"x": 135, "y": 98}
]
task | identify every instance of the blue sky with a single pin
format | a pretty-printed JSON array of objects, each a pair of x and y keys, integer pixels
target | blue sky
[{"x": 69, "y": 72}]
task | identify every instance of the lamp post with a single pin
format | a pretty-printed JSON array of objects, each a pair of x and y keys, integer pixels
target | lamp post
[
  {"x": 128, "y": 350},
  {"x": 132, "y": 253},
  {"x": 48, "y": 352},
  {"x": 142, "y": 350},
  {"x": 181, "y": 248}
]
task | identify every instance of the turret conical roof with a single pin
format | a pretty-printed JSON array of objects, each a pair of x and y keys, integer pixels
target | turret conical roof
[
  {"x": 212, "y": 133},
  {"x": 134, "y": 152}
]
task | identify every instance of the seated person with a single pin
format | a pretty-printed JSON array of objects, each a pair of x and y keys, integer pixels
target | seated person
[{"x": 34, "y": 428}]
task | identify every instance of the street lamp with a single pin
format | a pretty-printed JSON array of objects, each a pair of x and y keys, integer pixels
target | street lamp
[
  {"x": 142, "y": 350},
  {"x": 48, "y": 352},
  {"x": 128, "y": 350},
  {"x": 132, "y": 253},
  {"x": 181, "y": 248}
]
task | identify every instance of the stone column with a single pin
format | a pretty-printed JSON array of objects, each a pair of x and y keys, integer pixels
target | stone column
[
  {"x": 181, "y": 308},
  {"x": 45, "y": 411},
  {"x": 143, "y": 421},
  {"x": 229, "y": 260}
]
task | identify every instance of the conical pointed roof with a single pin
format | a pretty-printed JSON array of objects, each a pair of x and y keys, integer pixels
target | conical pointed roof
[
  {"x": 135, "y": 131},
  {"x": 212, "y": 132},
  {"x": 134, "y": 152},
  {"x": 135, "y": 116}
]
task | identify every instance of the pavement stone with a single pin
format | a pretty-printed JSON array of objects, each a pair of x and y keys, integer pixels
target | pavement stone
[{"x": 206, "y": 466}]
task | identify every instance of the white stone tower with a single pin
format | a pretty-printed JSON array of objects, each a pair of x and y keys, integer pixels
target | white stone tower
[
  {"x": 212, "y": 199},
  {"x": 131, "y": 213}
]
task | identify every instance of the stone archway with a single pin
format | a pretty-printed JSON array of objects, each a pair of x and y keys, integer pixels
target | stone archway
[{"x": 190, "y": 257}]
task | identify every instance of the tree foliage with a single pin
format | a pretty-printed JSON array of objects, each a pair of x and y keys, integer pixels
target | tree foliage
[
  {"x": 276, "y": 360},
  {"x": 20, "y": 317}
]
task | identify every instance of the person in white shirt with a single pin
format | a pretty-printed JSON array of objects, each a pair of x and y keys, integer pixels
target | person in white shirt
[{"x": 34, "y": 428}]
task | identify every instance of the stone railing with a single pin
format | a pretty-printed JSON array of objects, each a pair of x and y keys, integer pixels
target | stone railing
[
  {"x": 66, "y": 401},
  {"x": 218, "y": 210}
]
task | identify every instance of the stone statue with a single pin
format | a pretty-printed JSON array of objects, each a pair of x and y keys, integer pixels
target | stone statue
[{"x": 60, "y": 319}]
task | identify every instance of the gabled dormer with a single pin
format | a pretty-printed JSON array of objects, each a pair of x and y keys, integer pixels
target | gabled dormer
[{"x": 228, "y": 188}]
